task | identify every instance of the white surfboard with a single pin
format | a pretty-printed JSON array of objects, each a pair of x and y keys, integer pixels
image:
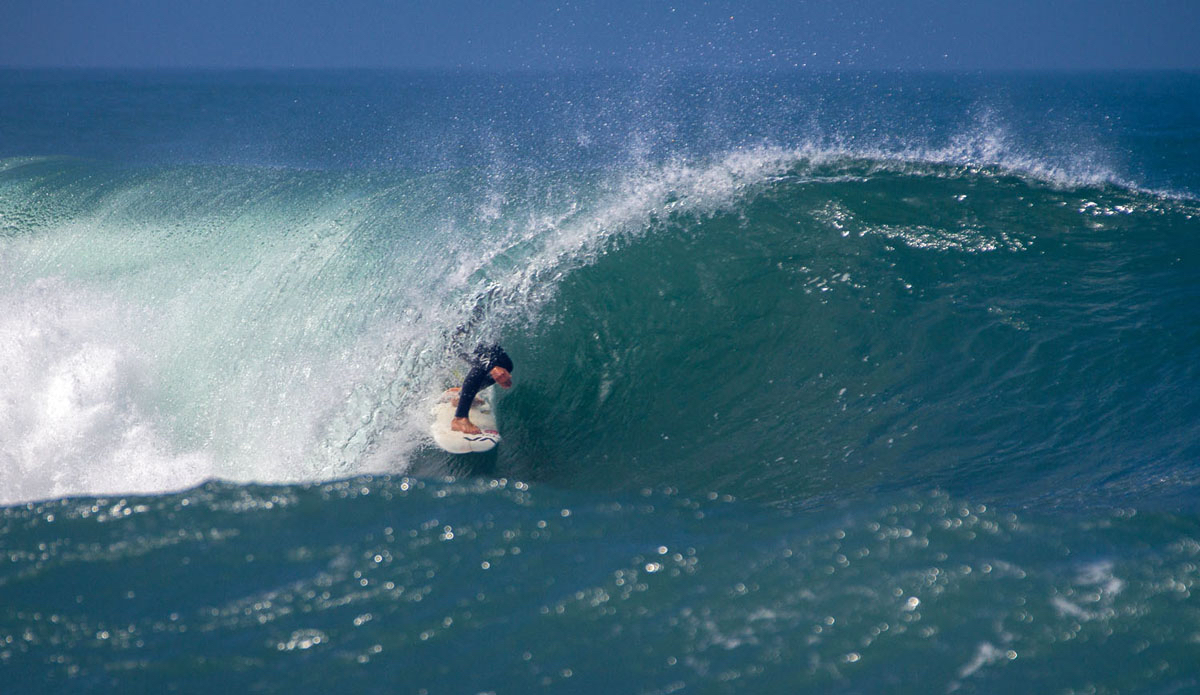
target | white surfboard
[{"x": 459, "y": 442}]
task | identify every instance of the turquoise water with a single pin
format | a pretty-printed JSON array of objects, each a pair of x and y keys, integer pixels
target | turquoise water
[{"x": 848, "y": 383}]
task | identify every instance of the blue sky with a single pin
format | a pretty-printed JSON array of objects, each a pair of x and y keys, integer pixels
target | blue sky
[{"x": 819, "y": 34}]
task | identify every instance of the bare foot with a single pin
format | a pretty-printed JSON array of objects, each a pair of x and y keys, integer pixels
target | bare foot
[{"x": 464, "y": 425}]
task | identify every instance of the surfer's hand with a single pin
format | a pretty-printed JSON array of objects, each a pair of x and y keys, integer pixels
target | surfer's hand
[{"x": 464, "y": 425}]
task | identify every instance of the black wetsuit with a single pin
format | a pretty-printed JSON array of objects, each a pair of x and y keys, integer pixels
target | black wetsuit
[{"x": 485, "y": 358}]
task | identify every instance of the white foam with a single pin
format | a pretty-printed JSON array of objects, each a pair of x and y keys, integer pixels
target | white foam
[{"x": 74, "y": 401}]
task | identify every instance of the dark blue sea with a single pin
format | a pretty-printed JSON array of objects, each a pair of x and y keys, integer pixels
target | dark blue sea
[{"x": 825, "y": 382}]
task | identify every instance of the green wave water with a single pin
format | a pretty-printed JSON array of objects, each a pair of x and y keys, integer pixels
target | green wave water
[{"x": 863, "y": 327}]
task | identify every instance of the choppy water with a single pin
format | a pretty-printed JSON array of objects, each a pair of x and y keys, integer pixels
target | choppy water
[{"x": 853, "y": 383}]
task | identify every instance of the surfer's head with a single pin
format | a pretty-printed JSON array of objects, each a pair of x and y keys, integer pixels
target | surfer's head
[
  {"x": 500, "y": 359},
  {"x": 501, "y": 376}
]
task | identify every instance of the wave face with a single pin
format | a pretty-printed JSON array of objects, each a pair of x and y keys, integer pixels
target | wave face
[
  {"x": 858, "y": 324},
  {"x": 851, "y": 371}
]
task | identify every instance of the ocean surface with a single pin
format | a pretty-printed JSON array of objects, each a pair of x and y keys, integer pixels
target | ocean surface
[{"x": 840, "y": 382}]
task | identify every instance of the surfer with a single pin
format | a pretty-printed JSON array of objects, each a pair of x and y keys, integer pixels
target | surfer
[{"x": 489, "y": 365}]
